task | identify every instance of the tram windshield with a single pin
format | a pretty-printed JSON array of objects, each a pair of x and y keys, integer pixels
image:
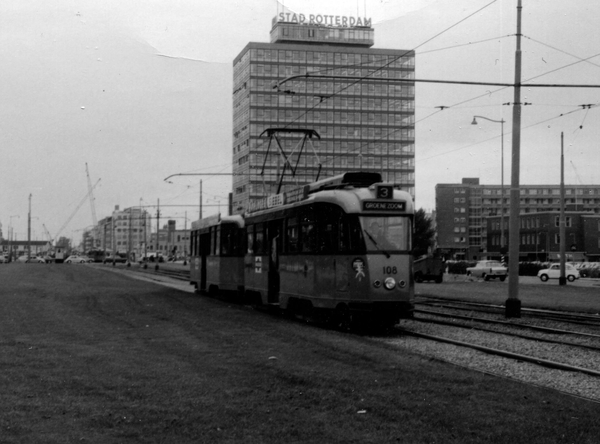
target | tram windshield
[{"x": 384, "y": 233}]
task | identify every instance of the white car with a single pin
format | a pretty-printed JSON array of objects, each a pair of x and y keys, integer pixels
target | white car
[
  {"x": 78, "y": 260},
  {"x": 488, "y": 270},
  {"x": 553, "y": 272}
]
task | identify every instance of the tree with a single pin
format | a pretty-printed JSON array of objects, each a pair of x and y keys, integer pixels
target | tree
[{"x": 424, "y": 233}]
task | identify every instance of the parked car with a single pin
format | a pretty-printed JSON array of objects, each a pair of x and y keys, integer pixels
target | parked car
[
  {"x": 585, "y": 268},
  {"x": 78, "y": 260},
  {"x": 36, "y": 260},
  {"x": 553, "y": 272},
  {"x": 3, "y": 258},
  {"x": 487, "y": 270}
]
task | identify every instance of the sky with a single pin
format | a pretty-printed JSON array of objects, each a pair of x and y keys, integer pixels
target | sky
[{"x": 140, "y": 90}]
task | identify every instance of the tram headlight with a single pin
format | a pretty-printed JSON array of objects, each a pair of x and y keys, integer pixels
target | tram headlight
[{"x": 389, "y": 283}]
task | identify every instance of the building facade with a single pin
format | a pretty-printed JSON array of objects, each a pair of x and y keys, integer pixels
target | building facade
[
  {"x": 462, "y": 211},
  {"x": 359, "y": 115},
  {"x": 125, "y": 230},
  {"x": 17, "y": 248},
  {"x": 539, "y": 236},
  {"x": 171, "y": 241}
]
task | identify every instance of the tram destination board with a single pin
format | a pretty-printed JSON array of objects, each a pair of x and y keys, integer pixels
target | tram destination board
[{"x": 396, "y": 206}]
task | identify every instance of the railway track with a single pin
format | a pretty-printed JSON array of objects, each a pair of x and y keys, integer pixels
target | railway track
[
  {"x": 582, "y": 319},
  {"x": 160, "y": 270},
  {"x": 564, "y": 356}
]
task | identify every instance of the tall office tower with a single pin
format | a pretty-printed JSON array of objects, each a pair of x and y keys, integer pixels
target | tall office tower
[{"x": 355, "y": 109}]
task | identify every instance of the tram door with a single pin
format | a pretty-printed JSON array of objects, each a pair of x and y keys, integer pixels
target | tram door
[
  {"x": 204, "y": 252},
  {"x": 274, "y": 231}
]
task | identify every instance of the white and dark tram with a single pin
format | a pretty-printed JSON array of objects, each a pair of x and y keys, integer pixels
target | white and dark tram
[{"x": 340, "y": 247}]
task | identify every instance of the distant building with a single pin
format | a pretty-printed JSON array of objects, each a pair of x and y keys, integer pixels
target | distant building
[
  {"x": 362, "y": 122},
  {"x": 539, "y": 236},
  {"x": 124, "y": 231},
  {"x": 21, "y": 247},
  {"x": 171, "y": 241},
  {"x": 462, "y": 211}
]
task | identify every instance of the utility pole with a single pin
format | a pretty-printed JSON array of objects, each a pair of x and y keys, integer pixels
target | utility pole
[
  {"x": 129, "y": 240},
  {"x": 29, "y": 230},
  {"x": 185, "y": 240},
  {"x": 112, "y": 240},
  {"x": 562, "y": 280},
  {"x": 200, "y": 212},
  {"x": 157, "y": 231},
  {"x": 513, "y": 303}
]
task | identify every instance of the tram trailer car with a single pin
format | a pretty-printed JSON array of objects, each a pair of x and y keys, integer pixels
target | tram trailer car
[
  {"x": 340, "y": 246},
  {"x": 217, "y": 254}
]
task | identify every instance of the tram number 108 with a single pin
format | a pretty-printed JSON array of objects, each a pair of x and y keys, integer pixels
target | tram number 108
[{"x": 390, "y": 270}]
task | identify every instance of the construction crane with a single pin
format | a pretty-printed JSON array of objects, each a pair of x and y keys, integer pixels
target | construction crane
[
  {"x": 76, "y": 209},
  {"x": 92, "y": 203},
  {"x": 47, "y": 233},
  {"x": 576, "y": 173}
]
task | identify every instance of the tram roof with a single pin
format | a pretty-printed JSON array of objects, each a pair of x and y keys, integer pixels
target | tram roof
[
  {"x": 350, "y": 199},
  {"x": 218, "y": 219}
]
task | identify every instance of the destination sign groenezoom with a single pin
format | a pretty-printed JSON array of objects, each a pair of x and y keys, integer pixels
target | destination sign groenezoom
[{"x": 384, "y": 206}]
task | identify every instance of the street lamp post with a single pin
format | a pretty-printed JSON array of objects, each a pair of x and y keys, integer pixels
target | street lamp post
[{"x": 501, "y": 122}]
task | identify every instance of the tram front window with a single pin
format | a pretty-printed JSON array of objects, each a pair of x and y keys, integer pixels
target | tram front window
[{"x": 386, "y": 233}]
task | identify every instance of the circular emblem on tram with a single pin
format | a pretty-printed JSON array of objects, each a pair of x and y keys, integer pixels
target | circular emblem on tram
[{"x": 359, "y": 267}]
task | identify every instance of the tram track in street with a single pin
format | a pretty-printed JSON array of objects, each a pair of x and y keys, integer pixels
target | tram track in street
[
  {"x": 582, "y": 319},
  {"x": 559, "y": 357}
]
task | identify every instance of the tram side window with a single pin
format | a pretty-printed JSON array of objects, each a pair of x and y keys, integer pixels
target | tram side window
[
  {"x": 327, "y": 217},
  {"x": 250, "y": 239},
  {"x": 216, "y": 236},
  {"x": 228, "y": 240},
  {"x": 193, "y": 243},
  {"x": 291, "y": 235},
  {"x": 259, "y": 239},
  {"x": 351, "y": 239},
  {"x": 308, "y": 233}
]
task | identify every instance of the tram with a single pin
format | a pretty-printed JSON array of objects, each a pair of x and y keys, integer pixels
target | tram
[
  {"x": 340, "y": 247},
  {"x": 217, "y": 254}
]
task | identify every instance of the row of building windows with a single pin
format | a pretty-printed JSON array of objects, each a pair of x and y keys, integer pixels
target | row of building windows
[
  {"x": 338, "y": 117},
  {"x": 278, "y": 71},
  {"x": 329, "y": 146},
  {"x": 362, "y": 162},
  {"x": 344, "y": 88},
  {"x": 331, "y": 58},
  {"x": 368, "y": 133},
  {"x": 355, "y": 97},
  {"x": 535, "y": 191},
  {"x": 322, "y": 34}
]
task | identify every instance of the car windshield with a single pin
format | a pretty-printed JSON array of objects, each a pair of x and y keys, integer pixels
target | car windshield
[{"x": 386, "y": 233}]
